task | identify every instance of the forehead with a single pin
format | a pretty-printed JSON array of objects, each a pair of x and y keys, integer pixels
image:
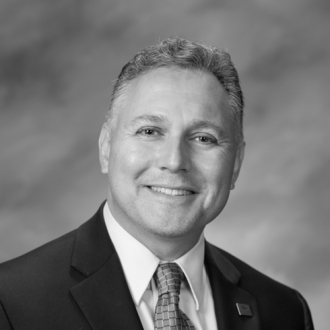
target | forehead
[
  {"x": 176, "y": 79},
  {"x": 192, "y": 93}
]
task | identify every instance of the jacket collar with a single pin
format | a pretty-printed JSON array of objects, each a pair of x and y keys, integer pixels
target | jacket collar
[
  {"x": 225, "y": 283},
  {"x": 103, "y": 296}
]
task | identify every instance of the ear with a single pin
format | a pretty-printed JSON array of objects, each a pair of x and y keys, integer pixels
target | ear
[
  {"x": 104, "y": 147},
  {"x": 238, "y": 163}
]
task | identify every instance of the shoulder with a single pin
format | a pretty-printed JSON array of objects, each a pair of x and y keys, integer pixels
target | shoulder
[
  {"x": 37, "y": 283},
  {"x": 272, "y": 296},
  {"x": 53, "y": 257},
  {"x": 51, "y": 267},
  {"x": 49, "y": 258},
  {"x": 249, "y": 277}
]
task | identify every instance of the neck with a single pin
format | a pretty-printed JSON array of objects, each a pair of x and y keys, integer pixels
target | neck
[{"x": 166, "y": 248}]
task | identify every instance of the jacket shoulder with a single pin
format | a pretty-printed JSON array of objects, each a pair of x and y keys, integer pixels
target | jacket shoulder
[
  {"x": 248, "y": 274},
  {"x": 272, "y": 296},
  {"x": 46, "y": 260}
]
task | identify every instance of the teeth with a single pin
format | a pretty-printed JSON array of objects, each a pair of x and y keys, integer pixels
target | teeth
[{"x": 173, "y": 192}]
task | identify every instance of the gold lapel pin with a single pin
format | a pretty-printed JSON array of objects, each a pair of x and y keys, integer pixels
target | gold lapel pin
[{"x": 244, "y": 309}]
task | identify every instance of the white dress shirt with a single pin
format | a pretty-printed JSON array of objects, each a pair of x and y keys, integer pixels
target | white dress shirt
[{"x": 139, "y": 265}]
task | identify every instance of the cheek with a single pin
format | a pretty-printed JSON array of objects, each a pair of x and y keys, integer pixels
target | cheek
[
  {"x": 217, "y": 174},
  {"x": 214, "y": 168},
  {"x": 128, "y": 161}
]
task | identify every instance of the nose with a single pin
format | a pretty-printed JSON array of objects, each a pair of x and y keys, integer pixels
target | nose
[{"x": 174, "y": 156}]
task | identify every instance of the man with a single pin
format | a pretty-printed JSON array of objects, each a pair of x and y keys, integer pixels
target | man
[{"x": 172, "y": 148}]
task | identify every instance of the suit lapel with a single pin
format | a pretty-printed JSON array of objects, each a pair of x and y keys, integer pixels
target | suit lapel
[
  {"x": 103, "y": 297},
  {"x": 224, "y": 279}
]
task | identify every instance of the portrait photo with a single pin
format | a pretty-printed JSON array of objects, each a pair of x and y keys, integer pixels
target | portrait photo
[{"x": 164, "y": 165}]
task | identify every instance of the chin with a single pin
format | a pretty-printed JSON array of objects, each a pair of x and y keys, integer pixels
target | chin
[
  {"x": 170, "y": 227},
  {"x": 170, "y": 233}
]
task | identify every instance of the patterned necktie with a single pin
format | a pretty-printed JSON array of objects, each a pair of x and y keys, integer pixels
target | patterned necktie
[{"x": 168, "y": 316}]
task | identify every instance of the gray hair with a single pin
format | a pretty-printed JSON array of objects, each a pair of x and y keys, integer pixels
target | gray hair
[{"x": 177, "y": 52}]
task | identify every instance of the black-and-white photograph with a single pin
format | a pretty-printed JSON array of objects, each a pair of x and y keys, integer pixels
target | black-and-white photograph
[{"x": 164, "y": 165}]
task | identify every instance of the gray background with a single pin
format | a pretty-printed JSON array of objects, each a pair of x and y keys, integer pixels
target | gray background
[{"x": 58, "y": 60}]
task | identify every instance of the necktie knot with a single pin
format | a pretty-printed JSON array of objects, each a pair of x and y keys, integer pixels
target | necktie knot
[
  {"x": 169, "y": 277},
  {"x": 168, "y": 315}
]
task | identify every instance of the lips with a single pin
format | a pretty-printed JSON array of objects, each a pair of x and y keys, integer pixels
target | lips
[{"x": 172, "y": 192}]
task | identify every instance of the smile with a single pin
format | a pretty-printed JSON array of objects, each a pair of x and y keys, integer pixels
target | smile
[{"x": 172, "y": 192}]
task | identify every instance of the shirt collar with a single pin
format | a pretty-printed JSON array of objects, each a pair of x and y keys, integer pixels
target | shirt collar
[
  {"x": 192, "y": 264},
  {"x": 139, "y": 266}
]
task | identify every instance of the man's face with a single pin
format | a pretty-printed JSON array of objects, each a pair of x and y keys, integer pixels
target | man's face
[{"x": 171, "y": 156}]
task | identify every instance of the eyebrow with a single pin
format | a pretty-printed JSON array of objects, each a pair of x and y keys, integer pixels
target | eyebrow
[
  {"x": 152, "y": 119},
  {"x": 200, "y": 124}
]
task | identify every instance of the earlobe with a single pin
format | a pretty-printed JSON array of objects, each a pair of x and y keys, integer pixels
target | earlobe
[
  {"x": 238, "y": 163},
  {"x": 104, "y": 147}
]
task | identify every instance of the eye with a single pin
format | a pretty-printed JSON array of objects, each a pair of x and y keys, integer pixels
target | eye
[
  {"x": 205, "y": 139},
  {"x": 147, "y": 131}
]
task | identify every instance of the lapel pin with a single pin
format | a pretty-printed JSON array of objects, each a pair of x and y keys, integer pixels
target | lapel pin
[{"x": 244, "y": 309}]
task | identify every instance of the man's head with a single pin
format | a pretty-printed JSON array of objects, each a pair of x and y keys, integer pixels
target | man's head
[
  {"x": 171, "y": 148},
  {"x": 181, "y": 53}
]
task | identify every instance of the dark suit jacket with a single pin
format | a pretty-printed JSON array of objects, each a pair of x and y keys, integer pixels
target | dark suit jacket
[{"x": 77, "y": 283}]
